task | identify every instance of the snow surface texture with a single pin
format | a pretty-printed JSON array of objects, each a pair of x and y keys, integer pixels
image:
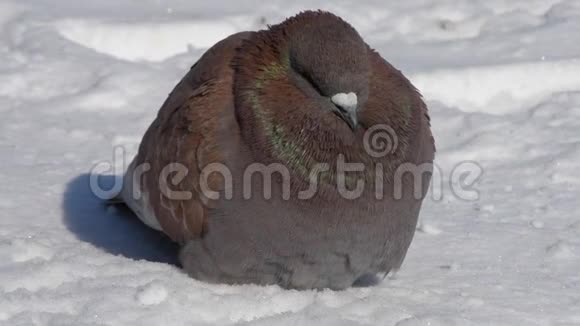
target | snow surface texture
[{"x": 502, "y": 78}]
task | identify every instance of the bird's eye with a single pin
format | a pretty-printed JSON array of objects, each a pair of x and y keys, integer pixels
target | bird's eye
[
  {"x": 312, "y": 83},
  {"x": 308, "y": 79}
]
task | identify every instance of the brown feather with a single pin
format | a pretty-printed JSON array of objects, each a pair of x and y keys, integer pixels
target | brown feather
[{"x": 186, "y": 131}]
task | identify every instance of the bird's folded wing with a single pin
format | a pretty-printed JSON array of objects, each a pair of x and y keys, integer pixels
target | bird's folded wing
[{"x": 184, "y": 139}]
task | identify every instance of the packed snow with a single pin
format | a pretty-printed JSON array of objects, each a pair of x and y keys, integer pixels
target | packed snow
[{"x": 79, "y": 80}]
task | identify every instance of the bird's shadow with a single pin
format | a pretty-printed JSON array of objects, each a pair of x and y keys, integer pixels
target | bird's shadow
[
  {"x": 116, "y": 230},
  {"x": 113, "y": 228}
]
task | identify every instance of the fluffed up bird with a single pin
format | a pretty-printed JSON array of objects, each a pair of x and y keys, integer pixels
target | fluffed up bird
[{"x": 294, "y": 155}]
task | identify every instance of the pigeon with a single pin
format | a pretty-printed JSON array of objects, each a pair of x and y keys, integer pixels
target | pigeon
[{"x": 293, "y": 156}]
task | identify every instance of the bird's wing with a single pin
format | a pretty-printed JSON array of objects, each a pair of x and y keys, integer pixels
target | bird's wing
[{"x": 186, "y": 137}]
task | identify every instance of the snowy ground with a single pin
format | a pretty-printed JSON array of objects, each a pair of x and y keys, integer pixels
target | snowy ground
[{"x": 502, "y": 78}]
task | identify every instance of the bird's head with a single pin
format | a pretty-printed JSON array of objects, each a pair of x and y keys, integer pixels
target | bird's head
[
  {"x": 329, "y": 62},
  {"x": 302, "y": 92}
]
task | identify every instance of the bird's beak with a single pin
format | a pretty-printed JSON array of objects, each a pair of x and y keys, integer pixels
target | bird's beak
[
  {"x": 346, "y": 108},
  {"x": 349, "y": 117}
]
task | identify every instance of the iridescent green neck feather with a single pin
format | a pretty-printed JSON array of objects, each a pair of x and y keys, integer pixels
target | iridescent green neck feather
[{"x": 287, "y": 148}]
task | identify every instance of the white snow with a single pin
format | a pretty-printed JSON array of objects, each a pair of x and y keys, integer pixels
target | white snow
[
  {"x": 78, "y": 79},
  {"x": 152, "y": 294},
  {"x": 502, "y": 88},
  {"x": 428, "y": 228},
  {"x": 146, "y": 41}
]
